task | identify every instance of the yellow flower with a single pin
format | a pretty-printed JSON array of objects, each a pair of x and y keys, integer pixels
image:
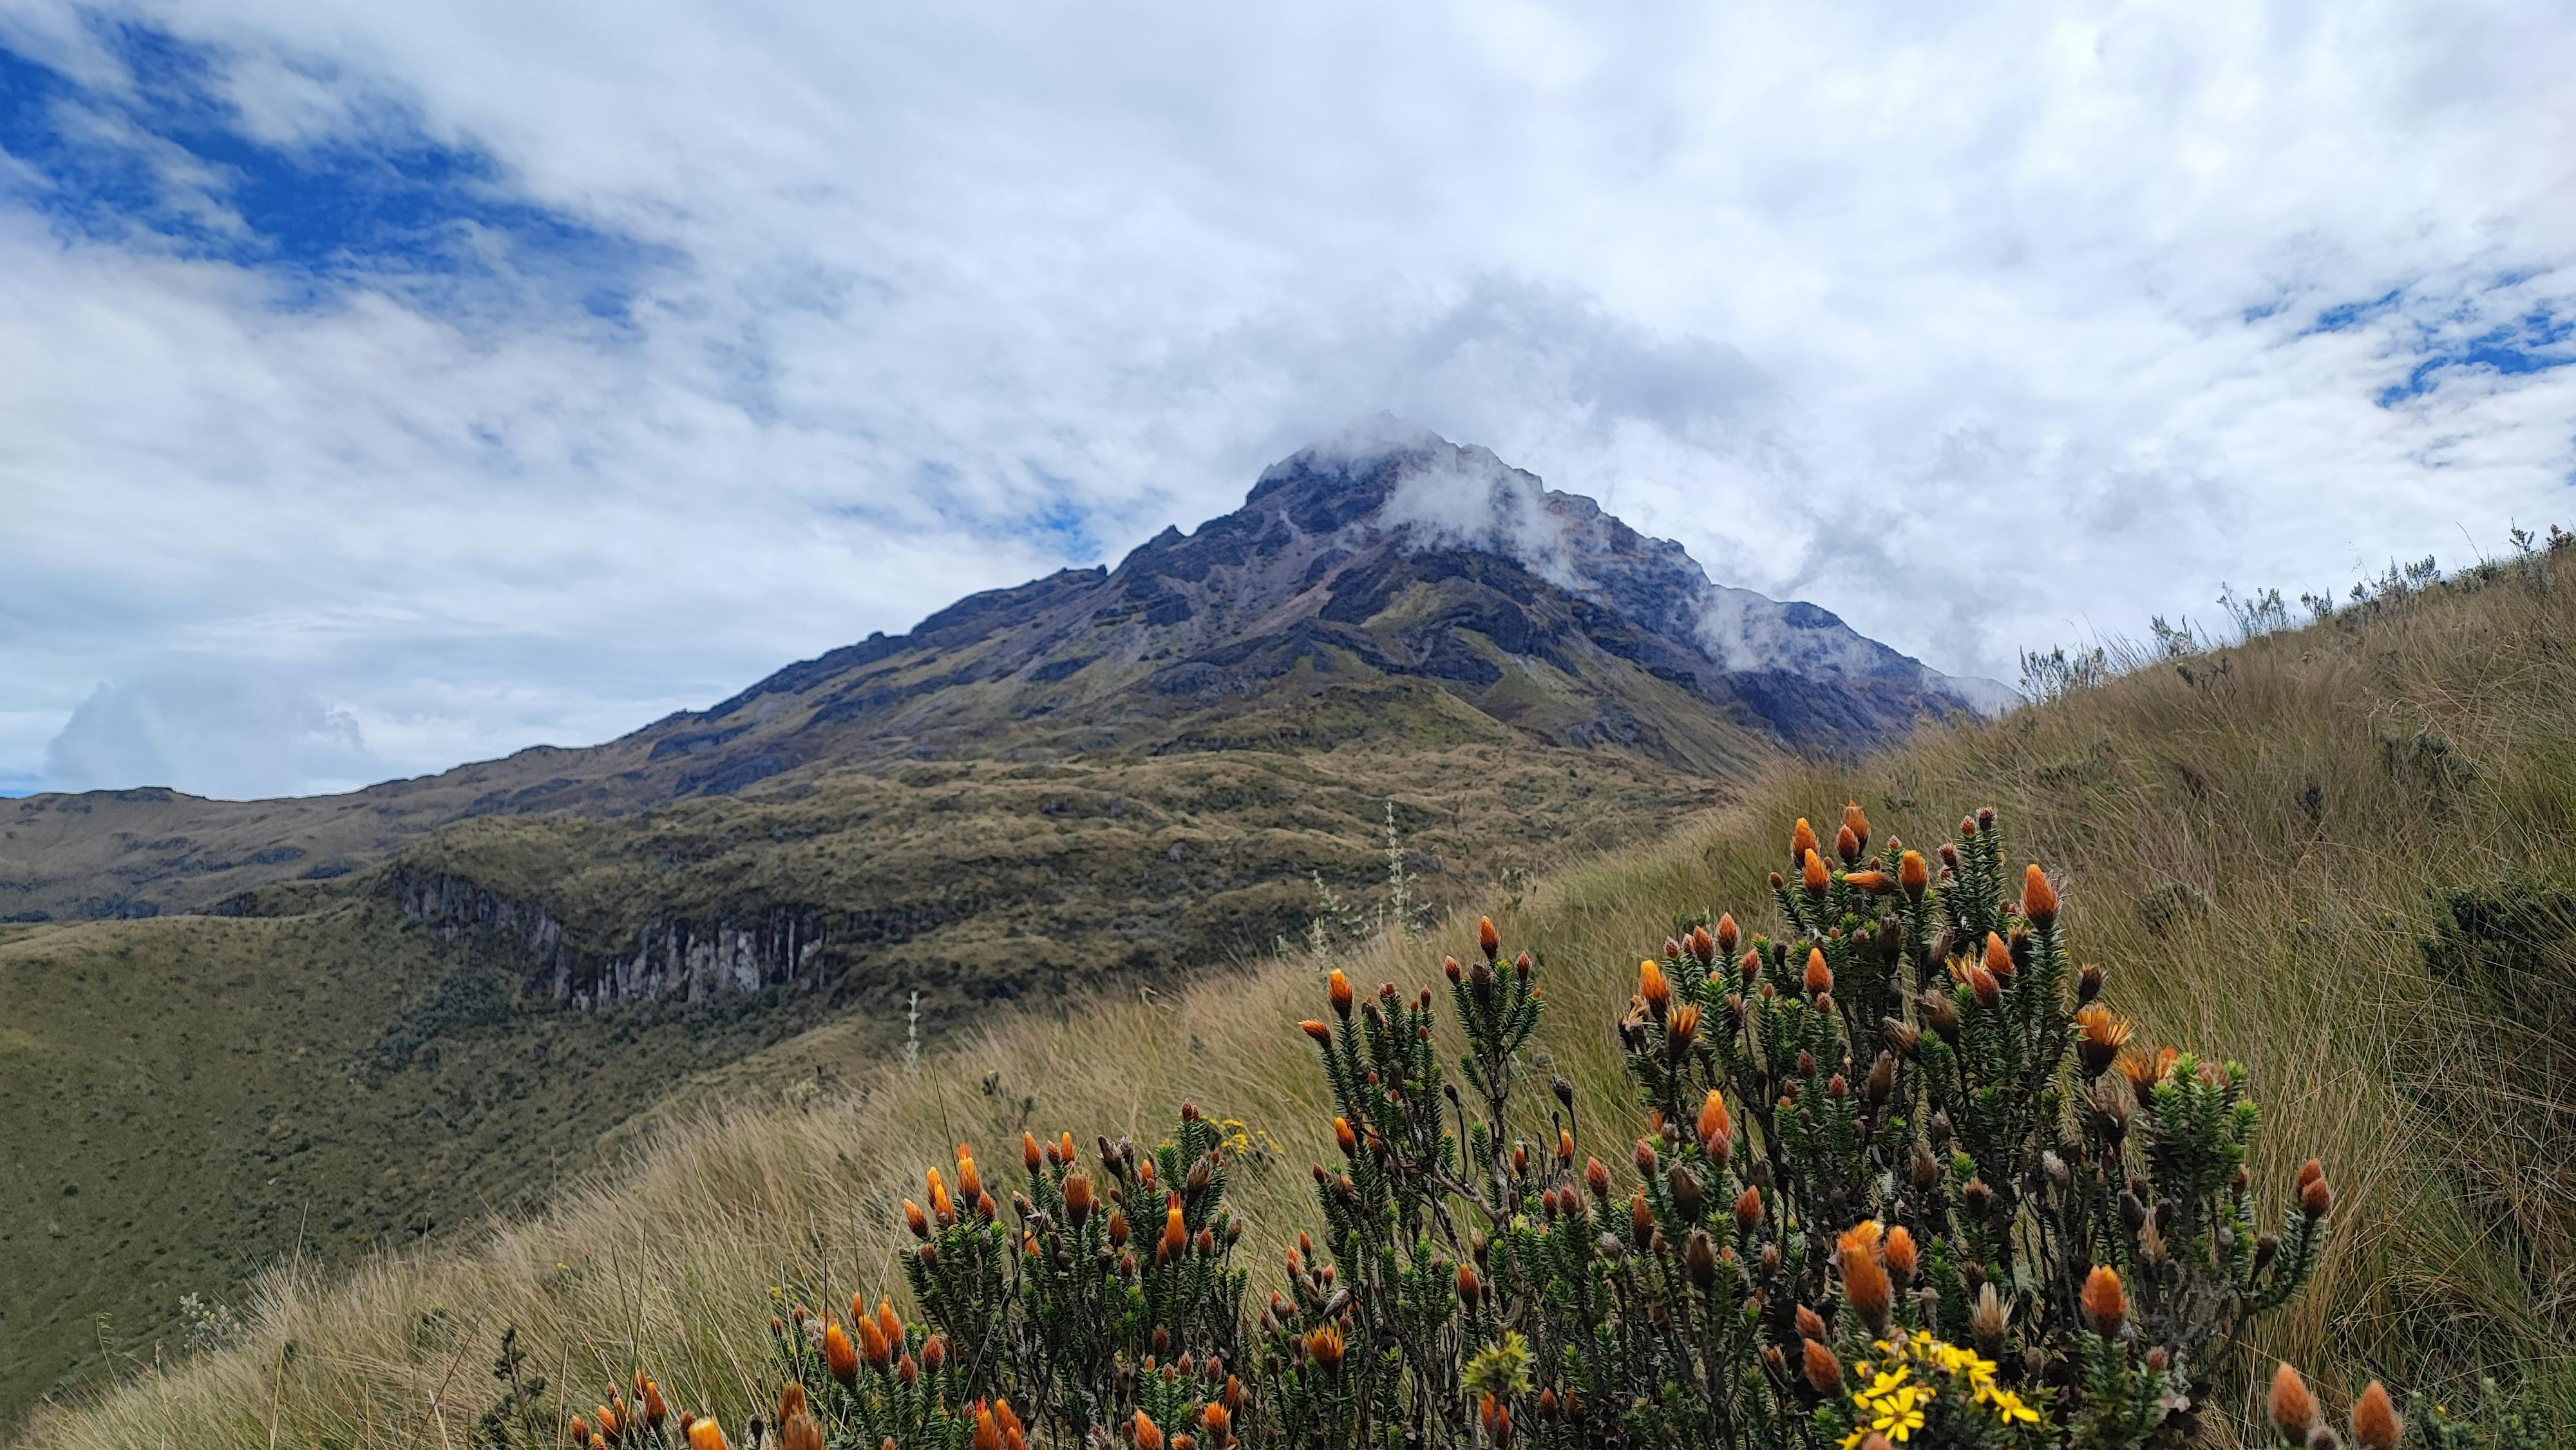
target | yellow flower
[
  {"x": 1883, "y": 1383},
  {"x": 2009, "y": 1408}
]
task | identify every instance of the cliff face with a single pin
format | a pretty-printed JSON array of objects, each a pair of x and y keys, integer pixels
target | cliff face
[{"x": 671, "y": 957}]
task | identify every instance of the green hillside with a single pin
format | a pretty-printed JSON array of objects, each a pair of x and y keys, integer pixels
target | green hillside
[
  {"x": 2337, "y": 855},
  {"x": 207, "y": 1097}
]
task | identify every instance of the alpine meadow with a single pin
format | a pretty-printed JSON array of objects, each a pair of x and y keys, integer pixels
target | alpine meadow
[{"x": 2331, "y": 856}]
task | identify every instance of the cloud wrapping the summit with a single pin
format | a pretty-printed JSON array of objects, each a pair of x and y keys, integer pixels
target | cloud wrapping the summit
[{"x": 498, "y": 375}]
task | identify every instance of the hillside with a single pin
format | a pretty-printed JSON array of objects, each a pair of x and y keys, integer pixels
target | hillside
[
  {"x": 2335, "y": 854},
  {"x": 1083, "y": 786}
]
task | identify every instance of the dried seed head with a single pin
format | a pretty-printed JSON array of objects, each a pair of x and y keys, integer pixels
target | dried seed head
[
  {"x": 2293, "y": 1409},
  {"x": 1987, "y": 1319},
  {"x": 2038, "y": 897},
  {"x": 2374, "y": 1419},
  {"x": 1699, "y": 1260},
  {"x": 2105, "y": 1303},
  {"x": 1684, "y": 1187},
  {"x": 2088, "y": 982}
]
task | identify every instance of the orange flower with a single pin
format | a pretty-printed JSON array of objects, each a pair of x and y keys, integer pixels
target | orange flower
[
  {"x": 2315, "y": 1198},
  {"x": 705, "y": 1435},
  {"x": 1876, "y": 883},
  {"x": 799, "y": 1432},
  {"x": 1727, "y": 934},
  {"x": 1813, "y": 876},
  {"x": 1565, "y": 1145},
  {"x": 1176, "y": 1234},
  {"x": 940, "y": 1207},
  {"x": 988, "y": 1431},
  {"x": 2102, "y": 1037},
  {"x": 1064, "y": 1148},
  {"x": 1982, "y": 983},
  {"x": 1912, "y": 875},
  {"x": 1900, "y": 1255},
  {"x": 1680, "y": 1029},
  {"x": 1865, "y": 1281},
  {"x": 1077, "y": 1198},
  {"x": 1652, "y": 988},
  {"x": 1324, "y": 1345},
  {"x": 2374, "y": 1419},
  {"x": 872, "y": 1344},
  {"x": 1716, "y": 1132},
  {"x": 1824, "y": 1372},
  {"x": 1497, "y": 1420},
  {"x": 839, "y": 1357},
  {"x": 2105, "y": 1303},
  {"x": 2146, "y": 1069},
  {"x": 1856, "y": 823},
  {"x": 1338, "y": 988},
  {"x": 2294, "y": 1410},
  {"x": 1322, "y": 1034},
  {"x": 1030, "y": 1157},
  {"x": 1470, "y": 1288},
  {"x": 1748, "y": 1210},
  {"x": 1343, "y": 1136},
  {"x": 2038, "y": 898},
  {"x": 970, "y": 1184},
  {"x": 1641, "y": 1220},
  {"x": 890, "y": 1325},
  {"x": 1847, "y": 845},
  {"x": 1596, "y": 1177},
  {"x": 1488, "y": 940},
  {"x": 1218, "y": 1420},
  {"x": 1802, "y": 843},
  {"x": 1820, "y": 977},
  {"x": 1998, "y": 959}
]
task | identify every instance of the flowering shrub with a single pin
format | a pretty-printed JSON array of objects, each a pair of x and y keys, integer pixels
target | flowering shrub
[{"x": 1903, "y": 1179}]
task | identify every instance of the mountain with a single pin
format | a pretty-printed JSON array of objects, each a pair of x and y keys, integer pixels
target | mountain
[
  {"x": 320, "y": 1026},
  {"x": 1385, "y": 566}
]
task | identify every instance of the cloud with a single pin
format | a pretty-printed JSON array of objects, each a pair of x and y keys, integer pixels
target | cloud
[
  {"x": 505, "y": 374},
  {"x": 229, "y": 733}
]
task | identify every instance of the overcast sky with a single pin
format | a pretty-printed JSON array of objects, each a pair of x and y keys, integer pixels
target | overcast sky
[{"x": 384, "y": 386}]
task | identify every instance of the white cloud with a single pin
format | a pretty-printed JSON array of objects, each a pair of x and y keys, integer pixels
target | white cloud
[
  {"x": 1938, "y": 319},
  {"x": 230, "y": 732}
]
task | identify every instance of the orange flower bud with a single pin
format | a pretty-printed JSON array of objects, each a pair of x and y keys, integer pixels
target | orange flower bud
[
  {"x": 1856, "y": 823},
  {"x": 2374, "y": 1420},
  {"x": 1030, "y": 1157},
  {"x": 1802, "y": 843},
  {"x": 988, "y": 1431},
  {"x": 940, "y": 1208},
  {"x": 934, "y": 1353},
  {"x": 1176, "y": 1234},
  {"x": 1865, "y": 1282},
  {"x": 872, "y": 1344},
  {"x": 1322, "y": 1034},
  {"x": 2038, "y": 898},
  {"x": 1077, "y": 1198},
  {"x": 1982, "y": 983},
  {"x": 1716, "y": 1130},
  {"x": 1487, "y": 940},
  {"x": 799, "y": 1432},
  {"x": 970, "y": 1184},
  {"x": 1813, "y": 875},
  {"x": 1901, "y": 1256},
  {"x": 1342, "y": 1135},
  {"x": 1338, "y": 988},
  {"x": 2316, "y": 1200},
  {"x": 1998, "y": 958},
  {"x": 1748, "y": 1210},
  {"x": 1652, "y": 988},
  {"x": 1824, "y": 1372},
  {"x": 1820, "y": 977},
  {"x": 1470, "y": 1289},
  {"x": 2294, "y": 1410},
  {"x": 1912, "y": 875},
  {"x": 705, "y": 1435},
  {"x": 1876, "y": 883},
  {"x": 1727, "y": 934},
  {"x": 1596, "y": 1178},
  {"x": 1847, "y": 845},
  {"x": 839, "y": 1357},
  {"x": 889, "y": 1325},
  {"x": 1641, "y": 1220},
  {"x": 2105, "y": 1303},
  {"x": 1564, "y": 1145}
]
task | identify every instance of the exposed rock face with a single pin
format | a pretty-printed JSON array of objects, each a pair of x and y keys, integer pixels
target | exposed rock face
[{"x": 672, "y": 957}]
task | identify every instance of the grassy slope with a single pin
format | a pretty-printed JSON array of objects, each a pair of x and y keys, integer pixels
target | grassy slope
[
  {"x": 2252, "y": 851},
  {"x": 172, "y": 1068}
]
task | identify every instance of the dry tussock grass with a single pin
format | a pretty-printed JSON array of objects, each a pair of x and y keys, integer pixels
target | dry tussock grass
[{"x": 2251, "y": 851}]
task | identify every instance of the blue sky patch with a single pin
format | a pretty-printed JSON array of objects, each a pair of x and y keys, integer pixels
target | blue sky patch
[
  {"x": 167, "y": 163},
  {"x": 2535, "y": 342}
]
